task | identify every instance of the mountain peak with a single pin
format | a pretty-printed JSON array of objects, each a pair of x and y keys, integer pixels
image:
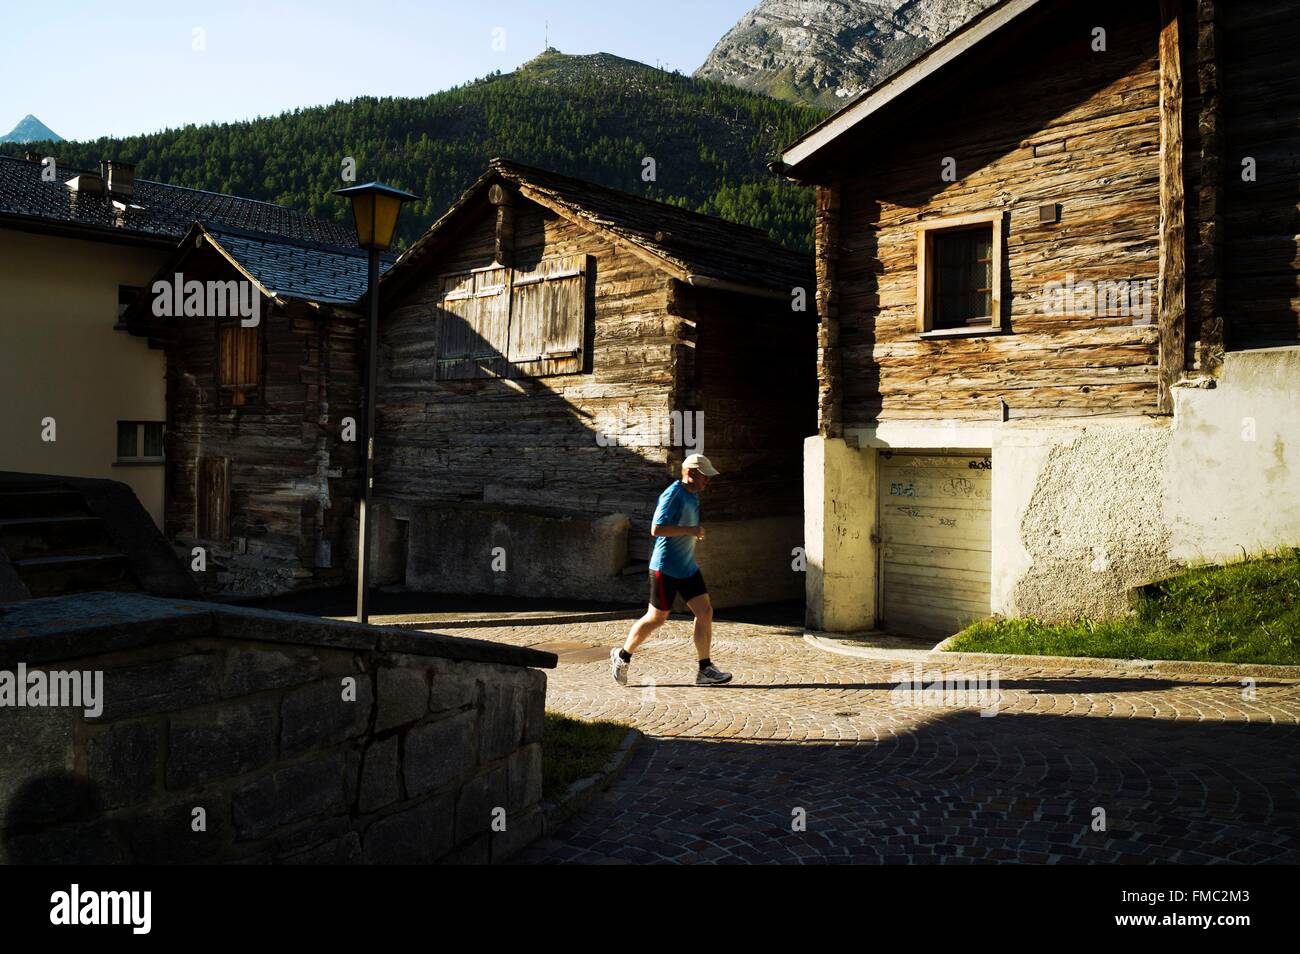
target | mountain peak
[
  {"x": 31, "y": 129},
  {"x": 827, "y": 51}
]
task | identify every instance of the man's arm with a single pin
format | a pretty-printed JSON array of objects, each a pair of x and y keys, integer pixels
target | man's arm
[{"x": 669, "y": 530}]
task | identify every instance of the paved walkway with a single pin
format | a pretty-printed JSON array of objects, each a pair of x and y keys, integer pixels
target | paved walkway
[{"x": 1185, "y": 769}]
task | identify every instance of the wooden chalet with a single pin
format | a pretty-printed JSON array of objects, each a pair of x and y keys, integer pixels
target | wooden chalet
[
  {"x": 551, "y": 351},
  {"x": 1057, "y": 287},
  {"x": 261, "y": 473}
]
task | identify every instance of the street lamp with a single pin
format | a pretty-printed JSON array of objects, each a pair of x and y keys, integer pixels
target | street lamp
[{"x": 375, "y": 208}]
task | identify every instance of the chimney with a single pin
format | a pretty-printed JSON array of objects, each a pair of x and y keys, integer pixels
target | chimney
[
  {"x": 119, "y": 177},
  {"x": 86, "y": 182}
]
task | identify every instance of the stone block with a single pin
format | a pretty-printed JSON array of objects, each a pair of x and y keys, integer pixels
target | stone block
[
  {"x": 534, "y": 710},
  {"x": 122, "y": 763},
  {"x": 36, "y": 758},
  {"x": 417, "y": 835},
  {"x": 501, "y": 721},
  {"x": 166, "y": 835},
  {"x": 290, "y": 795},
  {"x": 525, "y": 768},
  {"x": 179, "y": 683},
  {"x": 231, "y": 739},
  {"x": 478, "y": 799},
  {"x": 454, "y": 687},
  {"x": 246, "y": 671},
  {"x": 437, "y": 754},
  {"x": 380, "y": 783},
  {"x": 403, "y": 696},
  {"x": 317, "y": 715}
]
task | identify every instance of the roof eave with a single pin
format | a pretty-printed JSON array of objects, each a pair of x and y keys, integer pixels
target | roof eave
[{"x": 799, "y": 155}]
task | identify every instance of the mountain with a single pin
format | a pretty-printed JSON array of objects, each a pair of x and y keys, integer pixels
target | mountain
[
  {"x": 826, "y": 51},
  {"x": 596, "y": 116},
  {"x": 31, "y": 129}
]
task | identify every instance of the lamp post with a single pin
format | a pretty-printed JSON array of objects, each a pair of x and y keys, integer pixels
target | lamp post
[{"x": 375, "y": 208}]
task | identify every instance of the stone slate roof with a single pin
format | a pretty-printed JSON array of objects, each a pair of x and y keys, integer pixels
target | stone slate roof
[
  {"x": 156, "y": 211},
  {"x": 285, "y": 268},
  {"x": 689, "y": 244}
]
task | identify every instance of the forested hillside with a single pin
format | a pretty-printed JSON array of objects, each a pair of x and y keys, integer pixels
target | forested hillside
[{"x": 596, "y": 116}]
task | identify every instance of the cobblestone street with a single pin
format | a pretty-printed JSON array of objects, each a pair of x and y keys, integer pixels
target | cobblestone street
[{"x": 1185, "y": 769}]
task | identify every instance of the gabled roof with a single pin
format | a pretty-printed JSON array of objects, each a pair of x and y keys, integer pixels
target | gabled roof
[
  {"x": 695, "y": 248},
  {"x": 156, "y": 213},
  {"x": 806, "y": 147},
  {"x": 280, "y": 268}
]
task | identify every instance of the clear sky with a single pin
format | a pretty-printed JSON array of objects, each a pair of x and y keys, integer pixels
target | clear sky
[{"x": 90, "y": 68}]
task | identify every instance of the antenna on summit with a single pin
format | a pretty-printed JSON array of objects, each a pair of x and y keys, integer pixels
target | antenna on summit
[{"x": 547, "y": 34}]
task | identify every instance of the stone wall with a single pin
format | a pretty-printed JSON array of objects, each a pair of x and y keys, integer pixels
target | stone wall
[
  {"x": 532, "y": 552},
  {"x": 243, "y": 736}
]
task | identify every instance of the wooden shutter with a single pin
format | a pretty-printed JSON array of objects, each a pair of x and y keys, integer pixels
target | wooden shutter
[
  {"x": 548, "y": 318},
  {"x": 238, "y": 362},
  {"x": 456, "y": 318},
  {"x": 212, "y": 499},
  {"x": 474, "y": 312},
  {"x": 492, "y": 325}
]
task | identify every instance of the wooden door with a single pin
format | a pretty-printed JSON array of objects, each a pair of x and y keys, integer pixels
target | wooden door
[{"x": 935, "y": 542}]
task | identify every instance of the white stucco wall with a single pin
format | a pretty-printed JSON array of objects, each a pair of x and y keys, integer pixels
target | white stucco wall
[
  {"x": 1233, "y": 482},
  {"x": 1083, "y": 509},
  {"x": 60, "y": 357}
]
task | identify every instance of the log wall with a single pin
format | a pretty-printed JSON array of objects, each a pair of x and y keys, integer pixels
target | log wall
[
  {"x": 1259, "y": 85},
  {"x": 1055, "y": 123}
]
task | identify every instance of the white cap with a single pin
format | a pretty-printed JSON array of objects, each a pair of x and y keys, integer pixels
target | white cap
[{"x": 701, "y": 463}]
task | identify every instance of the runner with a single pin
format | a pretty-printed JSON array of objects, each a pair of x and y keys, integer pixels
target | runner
[{"x": 673, "y": 571}]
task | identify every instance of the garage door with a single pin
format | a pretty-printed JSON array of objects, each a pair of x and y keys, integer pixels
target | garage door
[{"x": 934, "y": 542}]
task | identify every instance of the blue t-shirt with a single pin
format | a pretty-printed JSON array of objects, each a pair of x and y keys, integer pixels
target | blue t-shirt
[{"x": 675, "y": 556}]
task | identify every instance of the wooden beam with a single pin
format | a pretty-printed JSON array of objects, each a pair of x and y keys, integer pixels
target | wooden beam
[
  {"x": 1173, "y": 240},
  {"x": 504, "y": 201},
  {"x": 830, "y": 422},
  {"x": 1210, "y": 207}
]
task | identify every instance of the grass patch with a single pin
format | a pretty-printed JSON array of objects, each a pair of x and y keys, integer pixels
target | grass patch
[
  {"x": 1246, "y": 612},
  {"x": 573, "y": 749}
]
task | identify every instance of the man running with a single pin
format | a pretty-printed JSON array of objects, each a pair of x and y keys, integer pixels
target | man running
[{"x": 673, "y": 570}]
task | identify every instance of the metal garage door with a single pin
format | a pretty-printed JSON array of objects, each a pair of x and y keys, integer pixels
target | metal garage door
[{"x": 934, "y": 542}]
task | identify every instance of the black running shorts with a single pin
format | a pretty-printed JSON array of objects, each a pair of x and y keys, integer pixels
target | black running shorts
[{"x": 664, "y": 588}]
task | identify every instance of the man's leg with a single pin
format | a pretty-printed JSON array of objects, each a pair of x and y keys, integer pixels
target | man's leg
[
  {"x": 644, "y": 627},
  {"x": 708, "y": 674},
  {"x": 703, "y": 610}
]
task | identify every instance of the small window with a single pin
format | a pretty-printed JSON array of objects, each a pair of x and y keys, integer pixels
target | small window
[
  {"x": 139, "y": 442},
  {"x": 959, "y": 275},
  {"x": 239, "y": 364}
]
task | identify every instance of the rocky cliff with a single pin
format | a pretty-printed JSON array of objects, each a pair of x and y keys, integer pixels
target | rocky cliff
[{"x": 827, "y": 51}]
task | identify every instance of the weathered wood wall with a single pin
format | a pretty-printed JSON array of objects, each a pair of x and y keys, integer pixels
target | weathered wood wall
[
  {"x": 1054, "y": 123},
  {"x": 654, "y": 346},
  {"x": 292, "y": 479},
  {"x": 1259, "y": 84},
  {"x": 530, "y": 441}
]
